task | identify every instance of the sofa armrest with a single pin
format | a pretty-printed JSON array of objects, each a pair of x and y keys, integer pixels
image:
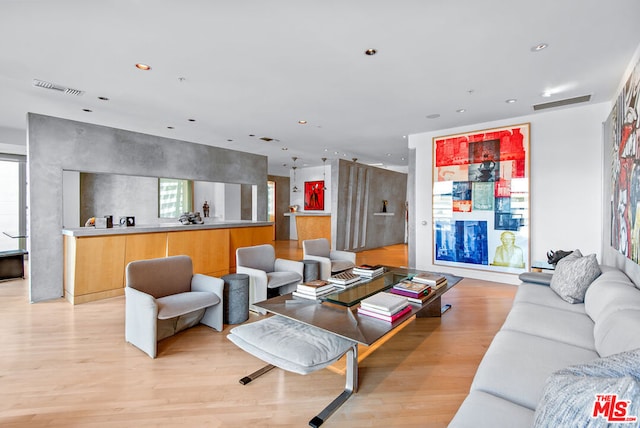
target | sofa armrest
[
  {"x": 343, "y": 255},
  {"x": 141, "y": 314},
  {"x": 213, "y": 315},
  {"x": 536, "y": 277}
]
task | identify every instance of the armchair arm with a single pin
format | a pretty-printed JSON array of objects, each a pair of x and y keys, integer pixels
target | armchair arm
[
  {"x": 343, "y": 255},
  {"x": 213, "y": 316},
  {"x": 141, "y": 315},
  {"x": 257, "y": 283},
  {"x": 211, "y": 284},
  {"x": 282, "y": 265}
]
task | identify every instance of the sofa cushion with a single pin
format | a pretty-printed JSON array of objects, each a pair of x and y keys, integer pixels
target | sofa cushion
[
  {"x": 183, "y": 303},
  {"x": 517, "y": 364},
  {"x": 552, "y": 323},
  {"x": 573, "y": 275},
  {"x": 617, "y": 332},
  {"x": 278, "y": 279},
  {"x": 612, "y": 291},
  {"x": 483, "y": 410},
  {"x": 569, "y": 395},
  {"x": 545, "y": 296},
  {"x": 290, "y": 345}
]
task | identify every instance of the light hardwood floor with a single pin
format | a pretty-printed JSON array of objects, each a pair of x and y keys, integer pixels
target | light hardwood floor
[{"x": 69, "y": 366}]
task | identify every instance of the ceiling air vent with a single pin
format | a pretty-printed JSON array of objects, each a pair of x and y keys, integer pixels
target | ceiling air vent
[
  {"x": 267, "y": 139},
  {"x": 560, "y": 103},
  {"x": 56, "y": 87}
]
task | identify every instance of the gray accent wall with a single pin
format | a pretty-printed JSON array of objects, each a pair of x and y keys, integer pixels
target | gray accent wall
[
  {"x": 357, "y": 204},
  {"x": 55, "y": 144},
  {"x": 283, "y": 226}
]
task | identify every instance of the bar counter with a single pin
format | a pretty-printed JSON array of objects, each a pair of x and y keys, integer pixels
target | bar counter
[{"x": 95, "y": 259}]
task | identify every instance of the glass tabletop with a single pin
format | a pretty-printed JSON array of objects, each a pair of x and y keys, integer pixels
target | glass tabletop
[{"x": 364, "y": 288}]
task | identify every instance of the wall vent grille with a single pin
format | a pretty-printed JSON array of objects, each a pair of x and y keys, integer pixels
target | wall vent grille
[
  {"x": 560, "y": 103},
  {"x": 56, "y": 87}
]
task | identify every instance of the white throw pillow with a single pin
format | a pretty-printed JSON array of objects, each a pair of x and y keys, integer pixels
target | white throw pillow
[{"x": 573, "y": 276}]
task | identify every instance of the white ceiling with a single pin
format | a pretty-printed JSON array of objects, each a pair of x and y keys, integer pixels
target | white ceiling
[{"x": 242, "y": 68}]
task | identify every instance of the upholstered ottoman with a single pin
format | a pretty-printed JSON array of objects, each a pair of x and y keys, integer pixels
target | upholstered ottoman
[{"x": 300, "y": 348}]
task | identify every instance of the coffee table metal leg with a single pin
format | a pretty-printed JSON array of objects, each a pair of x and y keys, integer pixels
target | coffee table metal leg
[{"x": 351, "y": 386}]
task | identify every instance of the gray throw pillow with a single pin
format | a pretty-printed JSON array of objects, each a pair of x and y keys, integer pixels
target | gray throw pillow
[
  {"x": 573, "y": 276},
  {"x": 601, "y": 393}
]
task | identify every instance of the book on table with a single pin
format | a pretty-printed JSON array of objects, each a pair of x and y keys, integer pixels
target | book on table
[
  {"x": 344, "y": 278},
  {"x": 420, "y": 300},
  {"x": 389, "y": 318},
  {"x": 313, "y": 296},
  {"x": 401, "y": 292},
  {"x": 315, "y": 286},
  {"x": 412, "y": 287},
  {"x": 368, "y": 270},
  {"x": 384, "y": 303},
  {"x": 429, "y": 278}
]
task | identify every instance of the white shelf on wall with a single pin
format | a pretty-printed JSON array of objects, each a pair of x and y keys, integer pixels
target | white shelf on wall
[{"x": 387, "y": 214}]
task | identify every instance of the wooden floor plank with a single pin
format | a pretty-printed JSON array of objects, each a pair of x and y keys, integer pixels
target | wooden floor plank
[{"x": 69, "y": 366}]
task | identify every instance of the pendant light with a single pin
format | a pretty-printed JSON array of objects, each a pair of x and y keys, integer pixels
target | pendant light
[
  {"x": 324, "y": 173},
  {"x": 294, "y": 167}
]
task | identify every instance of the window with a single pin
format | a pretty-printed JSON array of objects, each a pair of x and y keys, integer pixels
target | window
[
  {"x": 12, "y": 202},
  {"x": 175, "y": 197}
]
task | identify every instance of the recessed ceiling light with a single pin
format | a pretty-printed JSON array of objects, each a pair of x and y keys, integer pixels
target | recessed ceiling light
[
  {"x": 511, "y": 101},
  {"x": 170, "y": 127},
  {"x": 370, "y": 52},
  {"x": 461, "y": 110},
  {"x": 87, "y": 110},
  {"x": 141, "y": 66},
  {"x": 388, "y": 154},
  {"x": 404, "y": 136},
  {"x": 433, "y": 116},
  {"x": 539, "y": 47},
  {"x": 103, "y": 98},
  {"x": 191, "y": 120},
  {"x": 546, "y": 94},
  {"x": 285, "y": 148},
  {"x": 229, "y": 140},
  {"x": 302, "y": 122}
]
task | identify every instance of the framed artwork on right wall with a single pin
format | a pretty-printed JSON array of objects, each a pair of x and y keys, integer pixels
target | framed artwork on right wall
[{"x": 481, "y": 199}]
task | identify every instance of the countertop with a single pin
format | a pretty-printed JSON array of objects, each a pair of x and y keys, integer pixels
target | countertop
[{"x": 160, "y": 227}]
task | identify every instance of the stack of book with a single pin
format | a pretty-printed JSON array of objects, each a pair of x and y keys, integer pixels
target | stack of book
[
  {"x": 385, "y": 306},
  {"x": 314, "y": 289},
  {"x": 343, "y": 279},
  {"x": 415, "y": 292},
  {"x": 435, "y": 280},
  {"x": 368, "y": 271}
]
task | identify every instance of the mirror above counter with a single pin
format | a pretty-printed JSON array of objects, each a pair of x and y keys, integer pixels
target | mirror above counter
[{"x": 87, "y": 194}]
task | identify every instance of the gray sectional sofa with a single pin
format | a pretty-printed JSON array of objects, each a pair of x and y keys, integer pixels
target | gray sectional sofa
[{"x": 550, "y": 358}]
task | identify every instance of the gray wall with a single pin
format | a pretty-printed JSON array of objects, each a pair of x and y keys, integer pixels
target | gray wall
[
  {"x": 358, "y": 196},
  {"x": 55, "y": 144},
  {"x": 283, "y": 226},
  {"x": 118, "y": 195}
]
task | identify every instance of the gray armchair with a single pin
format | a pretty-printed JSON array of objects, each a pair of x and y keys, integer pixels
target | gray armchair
[
  {"x": 267, "y": 273},
  {"x": 331, "y": 261},
  {"x": 163, "y": 297}
]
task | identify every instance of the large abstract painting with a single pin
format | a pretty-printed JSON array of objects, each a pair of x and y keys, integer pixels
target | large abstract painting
[
  {"x": 623, "y": 125},
  {"x": 481, "y": 199}
]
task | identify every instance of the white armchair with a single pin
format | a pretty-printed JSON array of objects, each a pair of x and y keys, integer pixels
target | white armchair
[
  {"x": 331, "y": 261},
  {"x": 267, "y": 273},
  {"x": 163, "y": 297}
]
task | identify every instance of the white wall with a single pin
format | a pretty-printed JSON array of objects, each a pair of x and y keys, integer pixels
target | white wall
[
  {"x": 566, "y": 185},
  {"x": 314, "y": 173}
]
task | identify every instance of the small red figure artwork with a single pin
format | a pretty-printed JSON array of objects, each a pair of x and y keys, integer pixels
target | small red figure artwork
[{"x": 314, "y": 195}]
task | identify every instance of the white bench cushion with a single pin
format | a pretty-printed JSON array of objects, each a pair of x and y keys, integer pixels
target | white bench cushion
[{"x": 290, "y": 345}]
